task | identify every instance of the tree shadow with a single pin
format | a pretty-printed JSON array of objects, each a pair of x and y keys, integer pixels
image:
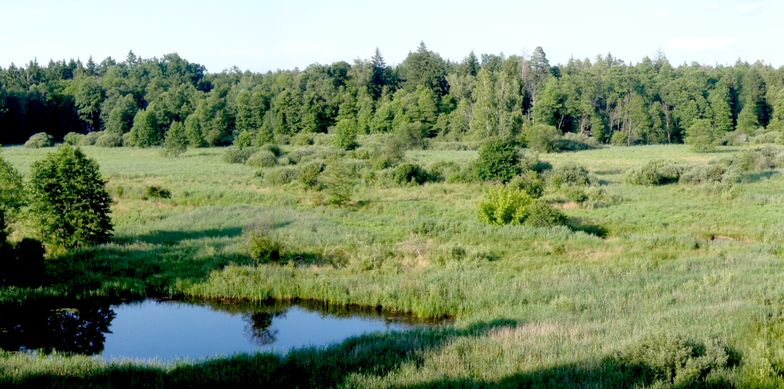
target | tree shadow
[
  {"x": 174, "y": 237},
  {"x": 578, "y": 224}
]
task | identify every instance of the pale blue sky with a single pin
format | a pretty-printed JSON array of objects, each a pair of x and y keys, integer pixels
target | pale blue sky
[{"x": 268, "y": 35}]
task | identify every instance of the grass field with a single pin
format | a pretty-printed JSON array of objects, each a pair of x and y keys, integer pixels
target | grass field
[{"x": 532, "y": 306}]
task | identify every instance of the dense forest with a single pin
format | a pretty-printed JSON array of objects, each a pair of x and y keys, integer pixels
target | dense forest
[{"x": 135, "y": 102}]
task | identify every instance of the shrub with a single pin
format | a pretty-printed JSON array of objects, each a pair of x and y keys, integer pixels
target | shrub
[
  {"x": 656, "y": 172},
  {"x": 410, "y": 173},
  {"x": 89, "y": 139},
  {"x": 570, "y": 174},
  {"x": 262, "y": 159},
  {"x": 237, "y": 155},
  {"x": 530, "y": 161},
  {"x": 309, "y": 173},
  {"x": 261, "y": 245},
  {"x": 542, "y": 138},
  {"x": 68, "y": 199},
  {"x": 302, "y": 139},
  {"x": 575, "y": 142},
  {"x": 273, "y": 148},
  {"x": 39, "y": 140},
  {"x": 156, "y": 192},
  {"x": 73, "y": 138},
  {"x": 530, "y": 182},
  {"x": 389, "y": 154},
  {"x": 504, "y": 205},
  {"x": 675, "y": 360},
  {"x": 281, "y": 176},
  {"x": 109, "y": 139},
  {"x": 710, "y": 174},
  {"x": 499, "y": 160},
  {"x": 541, "y": 214},
  {"x": 298, "y": 156},
  {"x": 620, "y": 138},
  {"x": 12, "y": 195},
  {"x": 702, "y": 136}
]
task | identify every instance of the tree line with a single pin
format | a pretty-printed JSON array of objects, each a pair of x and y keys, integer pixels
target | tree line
[{"x": 138, "y": 101}]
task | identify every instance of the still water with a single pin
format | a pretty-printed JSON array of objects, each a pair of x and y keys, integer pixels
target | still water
[{"x": 174, "y": 330}]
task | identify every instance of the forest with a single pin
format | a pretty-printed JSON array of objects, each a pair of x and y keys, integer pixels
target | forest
[{"x": 135, "y": 102}]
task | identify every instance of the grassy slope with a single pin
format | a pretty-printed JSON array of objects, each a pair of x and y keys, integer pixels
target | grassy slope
[{"x": 531, "y": 305}]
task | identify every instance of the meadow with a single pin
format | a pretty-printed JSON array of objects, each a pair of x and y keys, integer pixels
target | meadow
[{"x": 679, "y": 265}]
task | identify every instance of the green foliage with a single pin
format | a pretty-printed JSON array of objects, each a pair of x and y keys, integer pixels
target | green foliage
[
  {"x": 244, "y": 139},
  {"x": 260, "y": 243},
  {"x": 570, "y": 174},
  {"x": 542, "y": 138},
  {"x": 702, "y": 136},
  {"x": 281, "y": 176},
  {"x": 674, "y": 360},
  {"x": 541, "y": 214},
  {"x": 530, "y": 182},
  {"x": 109, "y": 139},
  {"x": 90, "y": 138},
  {"x": 713, "y": 173},
  {"x": 237, "y": 155},
  {"x": 68, "y": 200},
  {"x": 410, "y": 173},
  {"x": 656, "y": 172},
  {"x": 146, "y": 130},
  {"x": 156, "y": 192},
  {"x": 504, "y": 205},
  {"x": 309, "y": 173},
  {"x": 176, "y": 142},
  {"x": 499, "y": 160},
  {"x": 39, "y": 140},
  {"x": 73, "y": 138},
  {"x": 339, "y": 182},
  {"x": 12, "y": 194},
  {"x": 346, "y": 135},
  {"x": 262, "y": 159}
]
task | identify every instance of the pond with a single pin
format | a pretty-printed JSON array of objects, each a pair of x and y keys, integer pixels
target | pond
[{"x": 166, "y": 330}]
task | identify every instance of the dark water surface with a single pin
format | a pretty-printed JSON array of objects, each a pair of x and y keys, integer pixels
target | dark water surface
[{"x": 175, "y": 330}]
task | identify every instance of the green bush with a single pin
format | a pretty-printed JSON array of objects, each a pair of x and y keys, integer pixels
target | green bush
[
  {"x": 530, "y": 182},
  {"x": 339, "y": 182},
  {"x": 302, "y": 139},
  {"x": 176, "y": 140},
  {"x": 309, "y": 173},
  {"x": 281, "y": 176},
  {"x": 410, "y": 173},
  {"x": 39, "y": 140},
  {"x": 656, "y": 172},
  {"x": 575, "y": 142},
  {"x": 244, "y": 139},
  {"x": 68, "y": 199},
  {"x": 262, "y": 159},
  {"x": 261, "y": 245},
  {"x": 542, "y": 138},
  {"x": 504, "y": 205},
  {"x": 73, "y": 138},
  {"x": 296, "y": 157},
  {"x": 713, "y": 173},
  {"x": 499, "y": 160},
  {"x": 89, "y": 139},
  {"x": 346, "y": 134},
  {"x": 570, "y": 174},
  {"x": 237, "y": 155},
  {"x": 674, "y": 360},
  {"x": 12, "y": 194},
  {"x": 109, "y": 139},
  {"x": 156, "y": 192},
  {"x": 541, "y": 214},
  {"x": 273, "y": 148},
  {"x": 389, "y": 154}
]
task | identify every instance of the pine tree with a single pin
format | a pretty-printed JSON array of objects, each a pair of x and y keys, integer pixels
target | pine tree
[
  {"x": 176, "y": 141},
  {"x": 719, "y": 99}
]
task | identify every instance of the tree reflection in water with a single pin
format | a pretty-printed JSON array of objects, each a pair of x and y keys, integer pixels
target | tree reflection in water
[
  {"x": 259, "y": 326},
  {"x": 79, "y": 330}
]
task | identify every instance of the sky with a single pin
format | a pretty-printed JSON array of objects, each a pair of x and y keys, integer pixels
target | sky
[{"x": 269, "y": 35}]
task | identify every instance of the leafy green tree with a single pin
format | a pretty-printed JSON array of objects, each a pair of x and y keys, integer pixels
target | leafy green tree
[
  {"x": 542, "y": 137},
  {"x": 68, "y": 200},
  {"x": 346, "y": 134},
  {"x": 777, "y": 120},
  {"x": 702, "y": 136},
  {"x": 146, "y": 130},
  {"x": 499, "y": 160},
  {"x": 504, "y": 205},
  {"x": 484, "y": 121},
  {"x": 121, "y": 116},
  {"x": 88, "y": 96},
  {"x": 176, "y": 141}
]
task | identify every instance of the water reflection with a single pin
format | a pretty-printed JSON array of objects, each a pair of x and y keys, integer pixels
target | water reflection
[
  {"x": 171, "y": 330},
  {"x": 78, "y": 330}
]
